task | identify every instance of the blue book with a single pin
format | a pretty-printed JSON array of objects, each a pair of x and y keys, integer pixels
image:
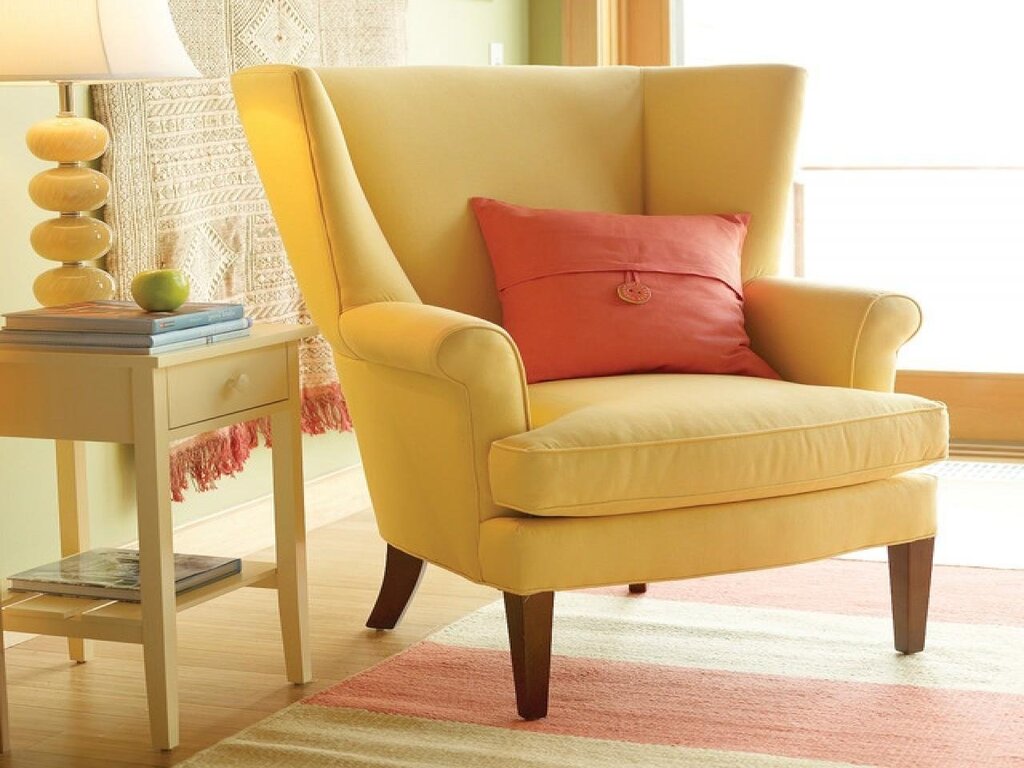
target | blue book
[
  {"x": 89, "y": 339},
  {"x": 120, "y": 317},
  {"x": 122, "y": 350}
]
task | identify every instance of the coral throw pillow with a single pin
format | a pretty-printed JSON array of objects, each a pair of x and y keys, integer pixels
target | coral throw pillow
[{"x": 598, "y": 294}]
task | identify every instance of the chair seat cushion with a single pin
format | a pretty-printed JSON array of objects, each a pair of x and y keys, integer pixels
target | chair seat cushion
[{"x": 625, "y": 444}]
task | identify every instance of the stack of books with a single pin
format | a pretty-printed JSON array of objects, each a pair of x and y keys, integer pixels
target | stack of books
[
  {"x": 113, "y": 574},
  {"x": 122, "y": 327}
]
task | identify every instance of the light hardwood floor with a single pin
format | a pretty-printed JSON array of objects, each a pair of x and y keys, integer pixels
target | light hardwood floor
[{"x": 231, "y": 667}]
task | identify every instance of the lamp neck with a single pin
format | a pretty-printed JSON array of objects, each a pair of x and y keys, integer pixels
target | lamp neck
[{"x": 67, "y": 98}]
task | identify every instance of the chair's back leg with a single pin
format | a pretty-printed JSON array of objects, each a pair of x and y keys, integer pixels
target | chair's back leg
[
  {"x": 529, "y": 633},
  {"x": 402, "y": 574},
  {"x": 910, "y": 578}
]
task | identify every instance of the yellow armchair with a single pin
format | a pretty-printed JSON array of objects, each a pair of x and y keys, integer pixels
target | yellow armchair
[{"x": 614, "y": 480}]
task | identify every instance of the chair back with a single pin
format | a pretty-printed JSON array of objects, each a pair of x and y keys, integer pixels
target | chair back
[{"x": 369, "y": 170}]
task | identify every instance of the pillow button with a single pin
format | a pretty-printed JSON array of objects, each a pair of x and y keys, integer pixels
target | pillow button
[{"x": 634, "y": 292}]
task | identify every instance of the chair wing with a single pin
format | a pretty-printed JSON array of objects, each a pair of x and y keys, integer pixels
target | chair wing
[
  {"x": 339, "y": 254},
  {"x": 723, "y": 139}
]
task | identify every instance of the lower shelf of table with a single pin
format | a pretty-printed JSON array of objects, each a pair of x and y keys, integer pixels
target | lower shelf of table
[{"x": 94, "y": 619}]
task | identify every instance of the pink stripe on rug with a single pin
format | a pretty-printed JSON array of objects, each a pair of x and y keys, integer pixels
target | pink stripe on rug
[
  {"x": 878, "y": 725},
  {"x": 852, "y": 587}
]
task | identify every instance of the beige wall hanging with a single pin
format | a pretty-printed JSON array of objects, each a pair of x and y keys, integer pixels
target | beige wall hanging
[{"x": 187, "y": 195}]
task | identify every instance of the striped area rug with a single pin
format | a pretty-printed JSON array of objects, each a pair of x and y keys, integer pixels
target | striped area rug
[{"x": 790, "y": 668}]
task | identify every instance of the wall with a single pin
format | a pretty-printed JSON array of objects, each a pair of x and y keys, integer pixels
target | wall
[
  {"x": 459, "y": 31},
  {"x": 440, "y": 32},
  {"x": 28, "y": 505}
]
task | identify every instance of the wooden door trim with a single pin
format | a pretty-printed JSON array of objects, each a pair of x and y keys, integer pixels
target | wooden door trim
[
  {"x": 603, "y": 32},
  {"x": 645, "y": 32},
  {"x": 589, "y": 33}
]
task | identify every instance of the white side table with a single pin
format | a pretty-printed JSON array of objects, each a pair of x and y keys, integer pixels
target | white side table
[{"x": 149, "y": 401}]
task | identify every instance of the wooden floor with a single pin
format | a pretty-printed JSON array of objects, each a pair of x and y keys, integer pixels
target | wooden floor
[{"x": 231, "y": 668}]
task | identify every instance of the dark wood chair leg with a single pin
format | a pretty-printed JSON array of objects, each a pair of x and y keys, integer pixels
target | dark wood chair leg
[
  {"x": 529, "y": 634},
  {"x": 401, "y": 577},
  {"x": 637, "y": 589},
  {"x": 910, "y": 578}
]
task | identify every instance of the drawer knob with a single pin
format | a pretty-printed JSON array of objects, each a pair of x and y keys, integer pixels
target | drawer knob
[{"x": 239, "y": 383}]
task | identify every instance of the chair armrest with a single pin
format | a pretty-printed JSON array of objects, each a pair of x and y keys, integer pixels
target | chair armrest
[
  {"x": 829, "y": 335},
  {"x": 430, "y": 390},
  {"x": 434, "y": 341}
]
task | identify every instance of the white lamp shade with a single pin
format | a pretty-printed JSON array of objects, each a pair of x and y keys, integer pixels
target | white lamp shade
[{"x": 90, "y": 40}]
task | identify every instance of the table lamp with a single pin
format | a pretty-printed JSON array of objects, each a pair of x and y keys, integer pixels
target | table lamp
[{"x": 76, "y": 41}]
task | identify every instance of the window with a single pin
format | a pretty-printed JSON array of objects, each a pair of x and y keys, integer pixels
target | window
[{"x": 912, "y": 153}]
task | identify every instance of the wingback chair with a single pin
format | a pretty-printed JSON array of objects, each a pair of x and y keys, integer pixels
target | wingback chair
[{"x": 585, "y": 482}]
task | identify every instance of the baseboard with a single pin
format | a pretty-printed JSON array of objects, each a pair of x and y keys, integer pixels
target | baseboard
[
  {"x": 13, "y": 638},
  {"x": 990, "y": 450},
  {"x": 247, "y": 528}
]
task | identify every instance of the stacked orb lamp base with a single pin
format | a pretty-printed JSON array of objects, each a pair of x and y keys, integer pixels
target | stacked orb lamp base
[{"x": 70, "y": 190}]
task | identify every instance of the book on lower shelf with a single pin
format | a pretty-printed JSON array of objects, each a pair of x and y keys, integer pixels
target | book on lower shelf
[{"x": 113, "y": 574}]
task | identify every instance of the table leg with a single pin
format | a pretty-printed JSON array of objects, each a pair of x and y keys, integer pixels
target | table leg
[
  {"x": 5, "y": 731},
  {"x": 73, "y": 506},
  {"x": 156, "y": 557},
  {"x": 290, "y": 530}
]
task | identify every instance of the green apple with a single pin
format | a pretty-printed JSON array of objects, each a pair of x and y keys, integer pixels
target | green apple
[{"x": 160, "y": 290}]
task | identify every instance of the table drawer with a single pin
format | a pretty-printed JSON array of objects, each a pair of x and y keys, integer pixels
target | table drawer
[{"x": 219, "y": 386}]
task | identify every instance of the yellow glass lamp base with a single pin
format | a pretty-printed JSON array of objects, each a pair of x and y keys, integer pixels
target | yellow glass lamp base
[
  {"x": 69, "y": 189},
  {"x": 72, "y": 238},
  {"x": 73, "y": 283},
  {"x": 67, "y": 139}
]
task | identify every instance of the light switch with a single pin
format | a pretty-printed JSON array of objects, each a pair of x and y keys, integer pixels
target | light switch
[{"x": 497, "y": 54}]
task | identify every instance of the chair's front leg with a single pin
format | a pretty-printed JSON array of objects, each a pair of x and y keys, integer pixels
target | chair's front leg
[
  {"x": 402, "y": 574},
  {"x": 910, "y": 578},
  {"x": 529, "y": 633}
]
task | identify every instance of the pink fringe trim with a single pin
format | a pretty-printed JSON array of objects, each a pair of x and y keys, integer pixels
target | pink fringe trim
[
  {"x": 203, "y": 460},
  {"x": 324, "y": 410}
]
